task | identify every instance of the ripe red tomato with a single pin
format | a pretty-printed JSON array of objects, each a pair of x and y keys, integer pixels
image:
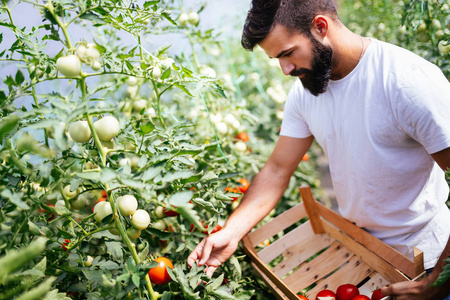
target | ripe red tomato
[
  {"x": 159, "y": 274},
  {"x": 346, "y": 292},
  {"x": 170, "y": 213},
  {"x": 244, "y": 185},
  {"x": 302, "y": 297},
  {"x": 217, "y": 228},
  {"x": 361, "y": 297},
  {"x": 243, "y": 136},
  {"x": 326, "y": 294},
  {"x": 65, "y": 244},
  {"x": 377, "y": 295},
  {"x": 305, "y": 157}
]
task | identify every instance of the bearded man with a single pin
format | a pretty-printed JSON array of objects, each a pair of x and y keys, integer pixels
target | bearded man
[{"x": 381, "y": 115}]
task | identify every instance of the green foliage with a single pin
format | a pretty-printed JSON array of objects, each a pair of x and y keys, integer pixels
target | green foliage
[
  {"x": 177, "y": 148},
  {"x": 412, "y": 24}
]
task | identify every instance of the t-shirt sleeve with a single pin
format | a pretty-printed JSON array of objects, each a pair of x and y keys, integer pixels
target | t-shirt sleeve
[
  {"x": 423, "y": 108},
  {"x": 294, "y": 124}
]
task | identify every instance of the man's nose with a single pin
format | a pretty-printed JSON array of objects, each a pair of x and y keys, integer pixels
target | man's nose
[{"x": 286, "y": 66}]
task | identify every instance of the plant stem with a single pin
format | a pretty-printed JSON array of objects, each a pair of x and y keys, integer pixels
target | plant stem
[
  {"x": 51, "y": 9},
  {"x": 158, "y": 102}
]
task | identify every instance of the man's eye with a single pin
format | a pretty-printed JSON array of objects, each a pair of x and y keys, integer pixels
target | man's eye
[{"x": 288, "y": 54}]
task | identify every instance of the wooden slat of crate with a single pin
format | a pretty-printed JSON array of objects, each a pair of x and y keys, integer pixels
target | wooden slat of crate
[
  {"x": 376, "y": 281},
  {"x": 354, "y": 272},
  {"x": 322, "y": 265},
  {"x": 267, "y": 272},
  {"x": 372, "y": 259},
  {"x": 300, "y": 252},
  {"x": 272, "y": 286},
  {"x": 295, "y": 236},
  {"x": 389, "y": 254},
  {"x": 278, "y": 224}
]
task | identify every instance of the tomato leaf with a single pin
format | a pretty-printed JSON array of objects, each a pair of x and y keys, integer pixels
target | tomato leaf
[
  {"x": 8, "y": 125},
  {"x": 154, "y": 170},
  {"x": 191, "y": 215},
  {"x": 96, "y": 19},
  {"x": 172, "y": 176},
  {"x": 15, "y": 198},
  {"x": 115, "y": 249},
  {"x": 181, "y": 198}
]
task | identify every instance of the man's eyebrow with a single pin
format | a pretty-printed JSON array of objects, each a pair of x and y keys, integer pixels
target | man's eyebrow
[{"x": 283, "y": 52}]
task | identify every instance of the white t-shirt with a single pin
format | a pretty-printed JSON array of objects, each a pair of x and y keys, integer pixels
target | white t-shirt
[{"x": 378, "y": 127}]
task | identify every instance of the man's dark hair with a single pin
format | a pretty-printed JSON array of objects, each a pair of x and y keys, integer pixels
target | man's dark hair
[{"x": 295, "y": 15}]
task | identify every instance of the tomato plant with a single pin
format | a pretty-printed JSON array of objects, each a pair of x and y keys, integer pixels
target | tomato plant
[
  {"x": 346, "y": 292},
  {"x": 93, "y": 107},
  {"x": 159, "y": 274}
]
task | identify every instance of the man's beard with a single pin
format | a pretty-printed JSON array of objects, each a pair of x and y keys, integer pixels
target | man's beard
[{"x": 316, "y": 79}]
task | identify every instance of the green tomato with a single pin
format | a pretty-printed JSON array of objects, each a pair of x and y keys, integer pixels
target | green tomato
[
  {"x": 139, "y": 105},
  {"x": 133, "y": 233},
  {"x": 160, "y": 225},
  {"x": 107, "y": 128},
  {"x": 68, "y": 193},
  {"x": 88, "y": 54},
  {"x": 140, "y": 219},
  {"x": 88, "y": 261},
  {"x": 102, "y": 210},
  {"x": 69, "y": 66},
  {"x": 96, "y": 65},
  {"x": 159, "y": 212},
  {"x": 444, "y": 47},
  {"x": 127, "y": 204},
  {"x": 80, "y": 132},
  {"x": 79, "y": 202}
]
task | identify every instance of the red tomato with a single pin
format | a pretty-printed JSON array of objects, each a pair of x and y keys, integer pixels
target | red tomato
[
  {"x": 243, "y": 136},
  {"x": 217, "y": 228},
  {"x": 305, "y": 157},
  {"x": 170, "y": 213},
  {"x": 65, "y": 244},
  {"x": 159, "y": 274},
  {"x": 361, "y": 297},
  {"x": 346, "y": 292},
  {"x": 324, "y": 294},
  {"x": 244, "y": 185},
  {"x": 377, "y": 295},
  {"x": 302, "y": 297}
]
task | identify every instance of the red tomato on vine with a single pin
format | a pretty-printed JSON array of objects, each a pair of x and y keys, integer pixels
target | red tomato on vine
[
  {"x": 159, "y": 274},
  {"x": 244, "y": 185}
]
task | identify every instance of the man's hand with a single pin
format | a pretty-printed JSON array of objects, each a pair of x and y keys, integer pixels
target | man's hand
[
  {"x": 214, "y": 250},
  {"x": 412, "y": 290}
]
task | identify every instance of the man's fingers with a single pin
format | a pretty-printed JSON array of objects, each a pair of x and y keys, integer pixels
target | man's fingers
[
  {"x": 196, "y": 254},
  {"x": 210, "y": 271},
  {"x": 206, "y": 252}
]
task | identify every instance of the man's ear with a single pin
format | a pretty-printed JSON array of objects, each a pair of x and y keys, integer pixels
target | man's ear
[{"x": 320, "y": 25}]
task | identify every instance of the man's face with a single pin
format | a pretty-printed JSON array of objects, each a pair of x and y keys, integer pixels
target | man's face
[{"x": 300, "y": 56}]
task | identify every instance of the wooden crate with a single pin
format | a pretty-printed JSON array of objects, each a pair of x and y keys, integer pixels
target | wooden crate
[{"x": 323, "y": 253}]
